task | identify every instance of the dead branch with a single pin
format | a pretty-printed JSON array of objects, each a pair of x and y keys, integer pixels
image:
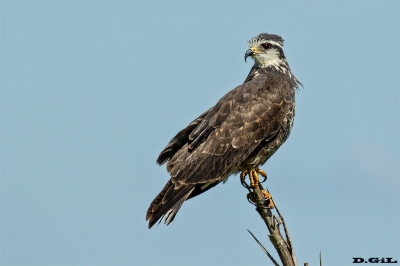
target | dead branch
[{"x": 283, "y": 246}]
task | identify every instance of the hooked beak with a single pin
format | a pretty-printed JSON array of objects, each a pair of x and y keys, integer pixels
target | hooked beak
[{"x": 248, "y": 53}]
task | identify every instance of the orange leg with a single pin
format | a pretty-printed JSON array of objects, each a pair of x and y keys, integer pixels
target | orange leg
[
  {"x": 254, "y": 182},
  {"x": 268, "y": 196},
  {"x": 253, "y": 176}
]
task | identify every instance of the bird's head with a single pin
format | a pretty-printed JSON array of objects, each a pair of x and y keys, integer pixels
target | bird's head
[{"x": 266, "y": 50}]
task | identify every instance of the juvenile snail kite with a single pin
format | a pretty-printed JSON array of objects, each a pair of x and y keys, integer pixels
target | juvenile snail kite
[{"x": 237, "y": 135}]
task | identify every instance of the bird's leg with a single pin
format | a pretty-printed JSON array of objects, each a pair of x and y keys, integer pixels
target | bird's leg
[
  {"x": 254, "y": 183},
  {"x": 268, "y": 198},
  {"x": 268, "y": 202},
  {"x": 263, "y": 174},
  {"x": 254, "y": 180}
]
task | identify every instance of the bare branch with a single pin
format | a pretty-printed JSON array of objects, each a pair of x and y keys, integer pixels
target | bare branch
[
  {"x": 289, "y": 240},
  {"x": 320, "y": 258},
  {"x": 283, "y": 247},
  {"x": 264, "y": 249}
]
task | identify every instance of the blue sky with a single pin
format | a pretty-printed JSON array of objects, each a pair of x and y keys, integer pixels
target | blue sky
[{"x": 91, "y": 92}]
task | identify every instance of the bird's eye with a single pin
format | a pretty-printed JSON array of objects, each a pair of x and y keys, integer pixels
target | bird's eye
[{"x": 266, "y": 45}]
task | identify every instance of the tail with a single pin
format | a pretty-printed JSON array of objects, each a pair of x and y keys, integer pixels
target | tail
[{"x": 167, "y": 203}]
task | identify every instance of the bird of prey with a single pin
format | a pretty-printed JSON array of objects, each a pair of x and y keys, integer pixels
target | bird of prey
[{"x": 237, "y": 135}]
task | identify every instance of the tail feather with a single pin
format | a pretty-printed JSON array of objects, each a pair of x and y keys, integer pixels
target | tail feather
[
  {"x": 173, "y": 211},
  {"x": 167, "y": 203}
]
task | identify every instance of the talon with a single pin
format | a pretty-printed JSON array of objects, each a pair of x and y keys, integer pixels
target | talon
[
  {"x": 251, "y": 199},
  {"x": 264, "y": 174},
  {"x": 242, "y": 179},
  {"x": 253, "y": 177},
  {"x": 268, "y": 199}
]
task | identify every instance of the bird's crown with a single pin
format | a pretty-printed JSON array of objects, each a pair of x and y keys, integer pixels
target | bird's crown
[{"x": 272, "y": 39}]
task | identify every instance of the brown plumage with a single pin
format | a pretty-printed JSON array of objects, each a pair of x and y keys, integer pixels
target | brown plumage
[{"x": 241, "y": 131}]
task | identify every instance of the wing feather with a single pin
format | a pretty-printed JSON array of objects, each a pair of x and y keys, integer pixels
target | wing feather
[
  {"x": 239, "y": 121},
  {"x": 179, "y": 140},
  {"x": 211, "y": 147}
]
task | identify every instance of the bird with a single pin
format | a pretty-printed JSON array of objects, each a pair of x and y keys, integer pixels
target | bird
[{"x": 237, "y": 135}]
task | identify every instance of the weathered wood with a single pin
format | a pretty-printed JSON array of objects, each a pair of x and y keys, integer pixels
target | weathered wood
[
  {"x": 264, "y": 249},
  {"x": 283, "y": 246}
]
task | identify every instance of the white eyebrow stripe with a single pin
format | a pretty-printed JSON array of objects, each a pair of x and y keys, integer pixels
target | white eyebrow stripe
[
  {"x": 255, "y": 42},
  {"x": 275, "y": 43}
]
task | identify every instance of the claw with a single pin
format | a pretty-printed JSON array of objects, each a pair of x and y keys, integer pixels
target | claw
[
  {"x": 242, "y": 179},
  {"x": 268, "y": 199},
  {"x": 253, "y": 177},
  {"x": 254, "y": 183},
  {"x": 251, "y": 199},
  {"x": 263, "y": 174}
]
